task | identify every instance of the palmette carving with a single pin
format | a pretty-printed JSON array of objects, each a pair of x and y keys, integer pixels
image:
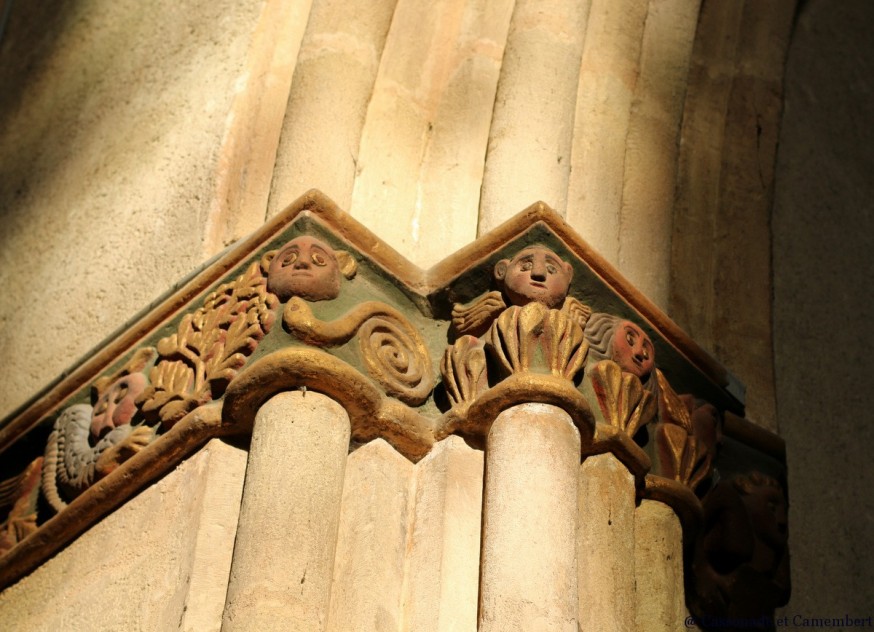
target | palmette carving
[
  {"x": 464, "y": 371},
  {"x": 685, "y": 436},
  {"x": 393, "y": 351},
  {"x": 622, "y": 398},
  {"x": 536, "y": 338},
  {"x": 209, "y": 347}
]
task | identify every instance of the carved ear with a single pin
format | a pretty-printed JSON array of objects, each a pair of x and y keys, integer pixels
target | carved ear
[
  {"x": 501, "y": 269},
  {"x": 570, "y": 271},
  {"x": 347, "y": 263},
  {"x": 266, "y": 259}
]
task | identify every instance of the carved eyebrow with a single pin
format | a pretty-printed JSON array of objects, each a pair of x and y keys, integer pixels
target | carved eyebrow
[{"x": 554, "y": 260}]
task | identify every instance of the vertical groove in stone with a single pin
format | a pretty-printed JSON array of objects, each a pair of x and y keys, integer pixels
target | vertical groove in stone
[
  {"x": 444, "y": 551},
  {"x": 696, "y": 209},
  {"x": 608, "y": 76},
  {"x": 366, "y": 592},
  {"x": 650, "y": 173},
  {"x": 658, "y": 561},
  {"x": 251, "y": 136},
  {"x": 333, "y": 83},
  {"x": 284, "y": 552},
  {"x": 529, "y": 150},
  {"x": 605, "y": 545},
  {"x": 529, "y": 567},
  {"x": 736, "y": 98},
  {"x": 424, "y": 138}
]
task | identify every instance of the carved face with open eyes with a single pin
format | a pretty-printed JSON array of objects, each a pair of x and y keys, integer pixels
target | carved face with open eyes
[
  {"x": 305, "y": 267},
  {"x": 116, "y": 406},
  {"x": 633, "y": 350},
  {"x": 535, "y": 275}
]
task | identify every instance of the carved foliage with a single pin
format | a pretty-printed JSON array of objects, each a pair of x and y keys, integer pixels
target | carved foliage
[
  {"x": 209, "y": 347},
  {"x": 18, "y": 497},
  {"x": 621, "y": 397},
  {"x": 464, "y": 371},
  {"x": 536, "y": 338},
  {"x": 393, "y": 351},
  {"x": 685, "y": 443}
]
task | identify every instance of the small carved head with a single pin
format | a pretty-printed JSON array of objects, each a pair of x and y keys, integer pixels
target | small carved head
[
  {"x": 308, "y": 268},
  {"x": 116, "y": 405},
  {"x": 535, "y": 275},
  {"x": 766, "y": 505},
  {"x": 613, "y": 338}
]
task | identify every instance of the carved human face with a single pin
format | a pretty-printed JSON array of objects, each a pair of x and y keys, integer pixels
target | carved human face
[
  {"x": 535, "y": 275},
  {"x": 117, "y": 405},
  {"x": 767, "y": 510},
  {"x": 305, "y": 267},
  {"x": 633, "y": 350}
]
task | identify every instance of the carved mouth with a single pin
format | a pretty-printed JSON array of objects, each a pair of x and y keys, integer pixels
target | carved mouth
[{"x": 538, "y": 284}]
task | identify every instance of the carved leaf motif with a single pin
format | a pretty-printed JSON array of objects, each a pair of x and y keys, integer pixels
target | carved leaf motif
[
  {"x": 684, "y": 452},
  {"x": 464, "y": 370},
  {"x": 20, "y": 495},
  {"x": 392, "y": 349},
  {"x": 475, "y": 319},
  {"x": 535, "y": 338},
  {"x": 209, "y": 347},
  {"x": 621, "y": 397}
]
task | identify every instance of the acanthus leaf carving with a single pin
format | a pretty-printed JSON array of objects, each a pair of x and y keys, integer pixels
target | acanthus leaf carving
[
  {"x": 621, "y": 397},
  {"x": 464, "y": 371},
  {"x": 685, "y": 436},
  {"x": 536, "y": 338},
  {"x": 19, "y": 496},
  {"x": 209, "y": 347}
]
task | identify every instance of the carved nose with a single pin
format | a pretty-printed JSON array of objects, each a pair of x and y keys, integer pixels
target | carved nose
[
  {"x": 538, "y": 272},
  {"x": 301, "y": 264}
]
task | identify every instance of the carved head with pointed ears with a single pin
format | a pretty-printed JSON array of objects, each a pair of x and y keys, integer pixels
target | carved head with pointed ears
[
  {"x": 535, "y": 275},
  {"x": 308, "y": 268}
]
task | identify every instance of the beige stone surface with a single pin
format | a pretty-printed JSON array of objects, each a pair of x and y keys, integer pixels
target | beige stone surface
[
  {"x": 608, "y": 75},
  {"x": 444, "y": 549},
  {"x": 528, "y": 578},
  {"x": 284, "y": 552},
  {"x": 160, "y": 562},
  {"x": 423, "y": 145},
  {"x": 113, "y": 131},
  {"x": 372, "y": 541},
  {"x": 646, "y": 212},
  {"x": 658, "y": 562},
  {"x": 532, "y": 125},
  {"x": 248, "y": 153},
  {"x": 333, "y": 83},
  {"x": 605, "y": 545},
  {"x": 721, "y": 287},
  {"x": 822, "y": 224}
]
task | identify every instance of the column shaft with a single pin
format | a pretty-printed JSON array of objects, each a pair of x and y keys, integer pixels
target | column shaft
[
  {"x": 284, "y": 552},
  {"x": 529, "y": 568}
]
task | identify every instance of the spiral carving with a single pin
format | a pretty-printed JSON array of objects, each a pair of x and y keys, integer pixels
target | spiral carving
[
  {"x": 397, "y": 358},
  {"x": 393, "y": 351}
]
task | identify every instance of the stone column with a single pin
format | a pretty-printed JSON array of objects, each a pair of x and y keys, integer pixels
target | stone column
[
  {"x": 658, "y": 544},
  {"x": 605, "y": 545},
  {"x": 284, "y": 553},
  {"x": 529, "y": 568}
]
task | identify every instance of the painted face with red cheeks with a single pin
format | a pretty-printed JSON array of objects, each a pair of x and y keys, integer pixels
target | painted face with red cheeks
[
  {"x": 117, "y": 405},
  {"x": 633, "y": 350},
  {"x": 305, "y": 267},
  {"x": 535, "y": 275}
]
